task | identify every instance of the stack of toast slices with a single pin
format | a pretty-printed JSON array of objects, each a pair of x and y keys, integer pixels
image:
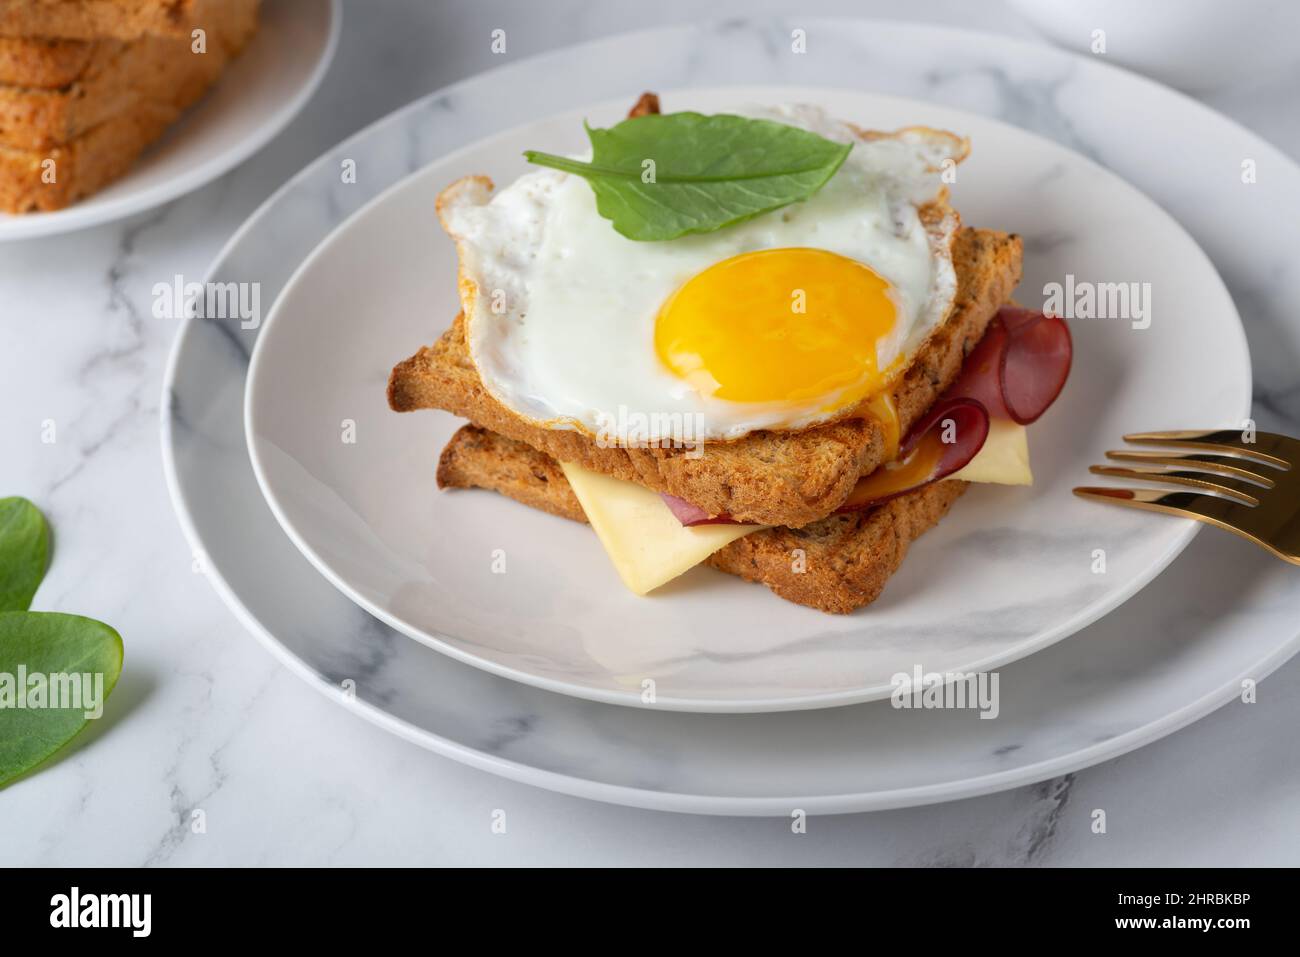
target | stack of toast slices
[
  {"x": 87, "y": 85},
  {"x": 789, "y": 485}
]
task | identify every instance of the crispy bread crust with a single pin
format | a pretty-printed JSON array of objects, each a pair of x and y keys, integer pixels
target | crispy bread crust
[
  {"x": 835, "y": 565},
  {"x": 477, "y": 458},
  {"x": 770, "y": 478},
  {"x": 82, "y": 166},
  {"x": 90, "y": 19},
  {"x": 50, "y": 64},
  {"x": 846, "y": 559},
  {"x": 163, "y": 72},
  {"x": 107, "y": 150}
]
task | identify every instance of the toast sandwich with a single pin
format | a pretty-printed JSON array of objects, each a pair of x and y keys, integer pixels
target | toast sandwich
[{"x": 800, "y": 510}]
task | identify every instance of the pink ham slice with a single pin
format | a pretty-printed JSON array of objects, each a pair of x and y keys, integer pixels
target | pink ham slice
[
  {"x": 1020, "y": 366},
  {"x": 689, "y": 514},
  {"x": 1015, "y": 372}
]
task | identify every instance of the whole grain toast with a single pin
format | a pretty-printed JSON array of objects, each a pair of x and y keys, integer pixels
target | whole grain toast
[
  {"x": 80, "y": 167},
  {"x": 46, "y": 64},
  {"x": 835, "y": 565},
  {"x": 58, "y": 175},
  {"x": 92, "y": 19},
  {"x": 767, "y": 477},
  {"x": 162, "y": 71}
]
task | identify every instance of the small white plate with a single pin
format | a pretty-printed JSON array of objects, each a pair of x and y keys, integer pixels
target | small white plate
[
  {"x": 263, "y": 89},
  {"x": 1009, "y": 571}
]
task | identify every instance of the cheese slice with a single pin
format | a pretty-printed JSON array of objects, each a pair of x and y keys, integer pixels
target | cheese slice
[
  {"x": 650, "y": 547},
  {"x": 1004, "y": 458},
  {"x": 646, "y": 543}
]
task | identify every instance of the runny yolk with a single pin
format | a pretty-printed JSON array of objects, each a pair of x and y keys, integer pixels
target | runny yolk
[
  {"x": 882, "y": 408},
  {"x": 779, "y": 325},
  {"x": 911, "y": 470}
]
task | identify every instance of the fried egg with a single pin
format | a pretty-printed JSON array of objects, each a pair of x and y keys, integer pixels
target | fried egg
[{"x": 788, "y": 320}]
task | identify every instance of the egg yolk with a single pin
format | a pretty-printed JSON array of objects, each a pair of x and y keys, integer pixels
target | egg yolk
[
  {"x": 906, "y": 473},
  {"x": 779, "y": 325},
  {"x": 884, "y": 410}
]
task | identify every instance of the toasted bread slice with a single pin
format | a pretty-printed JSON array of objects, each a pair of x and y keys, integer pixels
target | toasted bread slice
[
  {"x": 48, "y": 63},
  {"x": 163, "y": 72},
  {"x": 835, "y": 565},
  {"x": 59, "y": 174},
  {"x": 768, "y": 477},
  {"x": 39, "y": 63},
  {"x": 91, "y": 19},
  {"x": 52, "y": 179}
]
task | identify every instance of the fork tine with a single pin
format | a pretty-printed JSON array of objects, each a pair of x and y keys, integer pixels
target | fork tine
[
  {"x": 1268, "y": 447},
  {"x": 1197, "y": 461},
  {"x": 1194, "y": 479},
  {"x": 1187, "y": 504},
  {"x": 1219, "y": 512}
]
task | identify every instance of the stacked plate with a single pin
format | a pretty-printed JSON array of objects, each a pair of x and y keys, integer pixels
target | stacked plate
[{"x": 315, "y": 508}]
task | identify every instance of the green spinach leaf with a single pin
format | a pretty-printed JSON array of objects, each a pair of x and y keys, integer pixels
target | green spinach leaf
[
  {"x": 48, "y": 659},
  {"x": 24, "y": 552},
  {"x": 662, "y": 176}
]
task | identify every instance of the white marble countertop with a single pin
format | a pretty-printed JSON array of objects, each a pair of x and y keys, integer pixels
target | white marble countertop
[{"x": 206, "y": 719}]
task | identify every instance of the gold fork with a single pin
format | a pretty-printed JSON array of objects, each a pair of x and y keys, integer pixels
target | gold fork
[{"x": 1256, "y": 484}]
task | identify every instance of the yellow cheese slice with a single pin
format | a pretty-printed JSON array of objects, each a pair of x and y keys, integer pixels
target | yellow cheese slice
[
  {"x": 649, "y": 547},
  {"x": 642, "y": 536},
  {"x": 1004, "y": 459}
]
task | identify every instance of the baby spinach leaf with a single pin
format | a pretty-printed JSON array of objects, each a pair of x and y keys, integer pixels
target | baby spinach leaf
[
  {"x": 49, "y": 659},
  {"x": 662, "y": 176},
  {"x": 24, "y": 551}
]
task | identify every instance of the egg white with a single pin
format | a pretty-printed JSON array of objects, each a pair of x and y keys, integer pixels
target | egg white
[{"x": 560, "y": 308}]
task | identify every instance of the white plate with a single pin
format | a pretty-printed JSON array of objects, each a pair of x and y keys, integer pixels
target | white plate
[
  {"x": 259, "y": 94},
  {"x": 1008, "y": 572},
  {"x": 1174, "y": 653}
]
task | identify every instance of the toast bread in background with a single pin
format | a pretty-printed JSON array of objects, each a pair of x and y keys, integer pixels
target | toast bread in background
[
  {"x": 60, "y": 144},
  {"x": 92, "y": 19},
  {"x": 47, "y": 64},
  {"x": 165, "y": 73},
  {"x": 81, "y": 167}
]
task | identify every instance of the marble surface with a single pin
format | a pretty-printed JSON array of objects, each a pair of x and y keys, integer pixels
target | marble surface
[{"x": 206, "y": 719}]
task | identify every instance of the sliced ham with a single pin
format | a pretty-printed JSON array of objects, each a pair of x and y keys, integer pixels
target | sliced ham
[
  {"x": 689, "y": 514},
  {"x": 1020, "y": 366}
]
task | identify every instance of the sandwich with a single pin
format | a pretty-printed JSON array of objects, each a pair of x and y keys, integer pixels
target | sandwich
[{"x": 761, "y": 341}]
